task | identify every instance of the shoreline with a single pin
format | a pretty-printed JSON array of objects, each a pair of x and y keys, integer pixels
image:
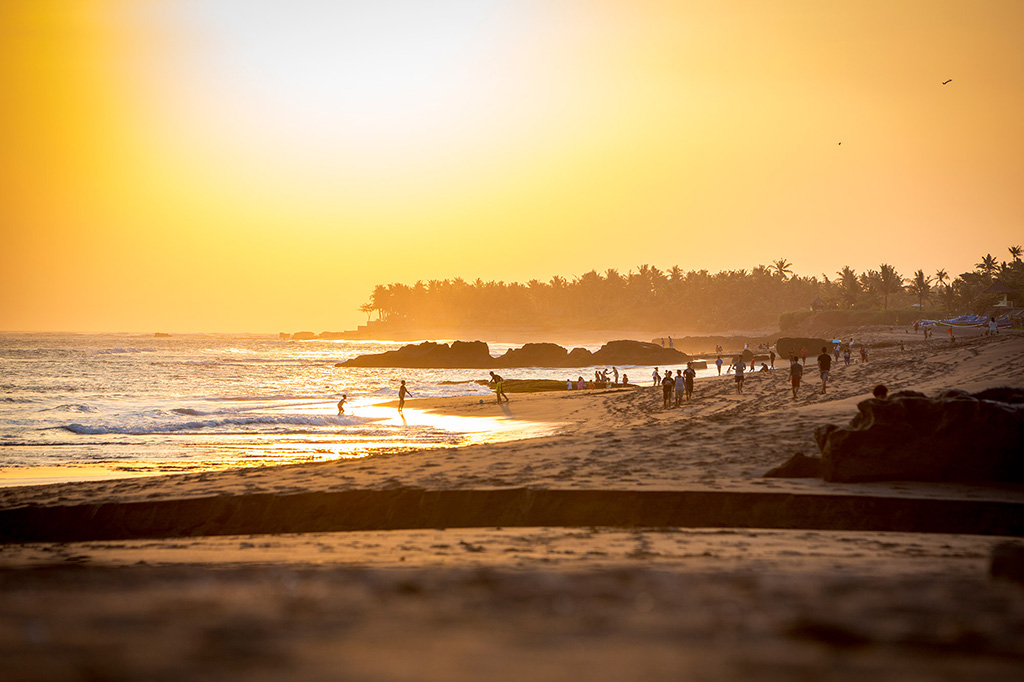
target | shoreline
[
  {"x": 616, "y": 438},
  {"x": 472, "y": 583}
]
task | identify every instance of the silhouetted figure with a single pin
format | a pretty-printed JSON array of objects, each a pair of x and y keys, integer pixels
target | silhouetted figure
[
  {"x": 667, "y": 387},
  {"x": 341, "y": 404},
  {"x": 718, "y": 364},
  {"x": 499, "y": 392},
  {"x": 688, "y": 376},
  {"x": 796, "y": 372},
  {"x": 824, "y": 365},
  {"x": 402, "y": 393},
  {"x": 680, "y": 387},
  {"x": 880, "y": 392}
]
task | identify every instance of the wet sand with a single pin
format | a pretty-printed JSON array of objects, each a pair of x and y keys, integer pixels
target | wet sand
[{"x": 658, "y": 601}]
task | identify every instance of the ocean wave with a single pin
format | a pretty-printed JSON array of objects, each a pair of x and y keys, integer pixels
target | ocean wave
[
  {"x": 120, "y": 351},
  {"x": 72, "y": 408},
  {"x": 286, "y": 420}
]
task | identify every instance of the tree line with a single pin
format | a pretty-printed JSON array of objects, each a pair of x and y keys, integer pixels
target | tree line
[{"x": 648, "y": 297}]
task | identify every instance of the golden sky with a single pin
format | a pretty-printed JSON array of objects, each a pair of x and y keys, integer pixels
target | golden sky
[{"x": 238, "y": 165}]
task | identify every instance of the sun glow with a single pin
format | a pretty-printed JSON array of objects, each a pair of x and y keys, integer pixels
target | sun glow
[{"x": 255, "y": 166}]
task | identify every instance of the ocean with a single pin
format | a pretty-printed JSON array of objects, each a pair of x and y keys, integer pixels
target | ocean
[
  {"x": 104, "y": 406},
  {"x": 78, "y": 406}
]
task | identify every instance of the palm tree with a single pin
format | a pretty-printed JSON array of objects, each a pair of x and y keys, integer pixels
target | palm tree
[
  {"x": 988, "y": 265},
  {"x": 920, "y": 286},
  {"x": 941, "y": 276},
  {"x": 850, "y": 284},
  {"x": 366, "y": 308},
  {"x": 1015, "y": 251},
  {"x": 782, "y": 268},
  {"x": 889, "y": 282}
]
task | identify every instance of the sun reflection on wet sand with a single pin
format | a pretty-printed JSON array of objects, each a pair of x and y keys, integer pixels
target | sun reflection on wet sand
[{"x": 413, "y": 429}]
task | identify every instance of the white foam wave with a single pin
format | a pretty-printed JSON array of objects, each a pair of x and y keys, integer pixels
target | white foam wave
[{"x": 309, "y": 421}]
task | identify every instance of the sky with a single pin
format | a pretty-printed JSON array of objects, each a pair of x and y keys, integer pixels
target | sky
[{"x": 249, "y": 166}]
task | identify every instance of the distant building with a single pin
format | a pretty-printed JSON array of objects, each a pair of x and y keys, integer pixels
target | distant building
[{"x": 999, "y": 288}]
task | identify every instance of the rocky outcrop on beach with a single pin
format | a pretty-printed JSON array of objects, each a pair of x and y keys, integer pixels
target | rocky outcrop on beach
[
  {"x": 472, "y": 355},
  {"x": 787, "y": 347},
  {"x": 955, "y": 437}
]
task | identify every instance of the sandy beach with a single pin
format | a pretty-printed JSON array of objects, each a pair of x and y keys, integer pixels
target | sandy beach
[{"x": 493, "y": 593}]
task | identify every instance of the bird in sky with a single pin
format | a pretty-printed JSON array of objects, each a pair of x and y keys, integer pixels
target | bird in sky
[{"x": 945, "y": 82}]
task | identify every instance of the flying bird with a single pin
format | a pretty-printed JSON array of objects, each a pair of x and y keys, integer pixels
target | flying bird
[{"x": 947, "y": 81}]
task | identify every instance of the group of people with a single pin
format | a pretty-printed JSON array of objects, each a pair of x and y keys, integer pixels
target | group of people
[
  {"x": 796, "y": 370},
  {"x": 676, "y": 389}
]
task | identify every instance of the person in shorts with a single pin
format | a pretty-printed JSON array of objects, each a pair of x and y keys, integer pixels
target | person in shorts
[
  {"x": 739, "y": 367},
  {"x": 824, "y": 365},
  {"x": 796, "y": 372},
  {"x": 688, "y": 376}
]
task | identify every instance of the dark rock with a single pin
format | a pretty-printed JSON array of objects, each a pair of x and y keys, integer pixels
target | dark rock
[
  {"x": 1008, "y": 561},
  {"x": 788, "y": 347},
  {"x": 535, "y": 355},
  {"x": 580, "y": 357},
  {"x": 960, "y": 438},
  {"x": 1010, "y": 395},
  {"x": 638, "y": 353},
  {"x": 797, "y": 466},
  {"x": 472, "y": 354}
]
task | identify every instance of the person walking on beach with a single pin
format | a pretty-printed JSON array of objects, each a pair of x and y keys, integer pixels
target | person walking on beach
[
  {"x": 771, "y": 357},
  {"x": 679, "y": 387},
  {"x": 846, "y": 356},
  {"x": 615, "y": 371},
  {"x": 796, "y": 371},
  {"x": 688, "y": 375},
  {"x": 402, "y": 393},
  {"x": 656, "y": 377},
  {"x": 718, "y": 364},
  {"x": 667, "y": 387},
  {"x": 341, "y": 404},
  {"x": 824, "y": 365},
  {"x": 739, "y": 367},
  {"x": 498, "y": 390},
  {"x": 803, "y": 355}
]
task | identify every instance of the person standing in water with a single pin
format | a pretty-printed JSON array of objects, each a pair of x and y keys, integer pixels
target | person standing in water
[
  {"x": 341, "y": 404},
  {"x": 402, "y": 392}
]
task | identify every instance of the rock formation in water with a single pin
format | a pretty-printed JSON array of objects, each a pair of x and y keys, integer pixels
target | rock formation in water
[{"x": 472, "y": 355}]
